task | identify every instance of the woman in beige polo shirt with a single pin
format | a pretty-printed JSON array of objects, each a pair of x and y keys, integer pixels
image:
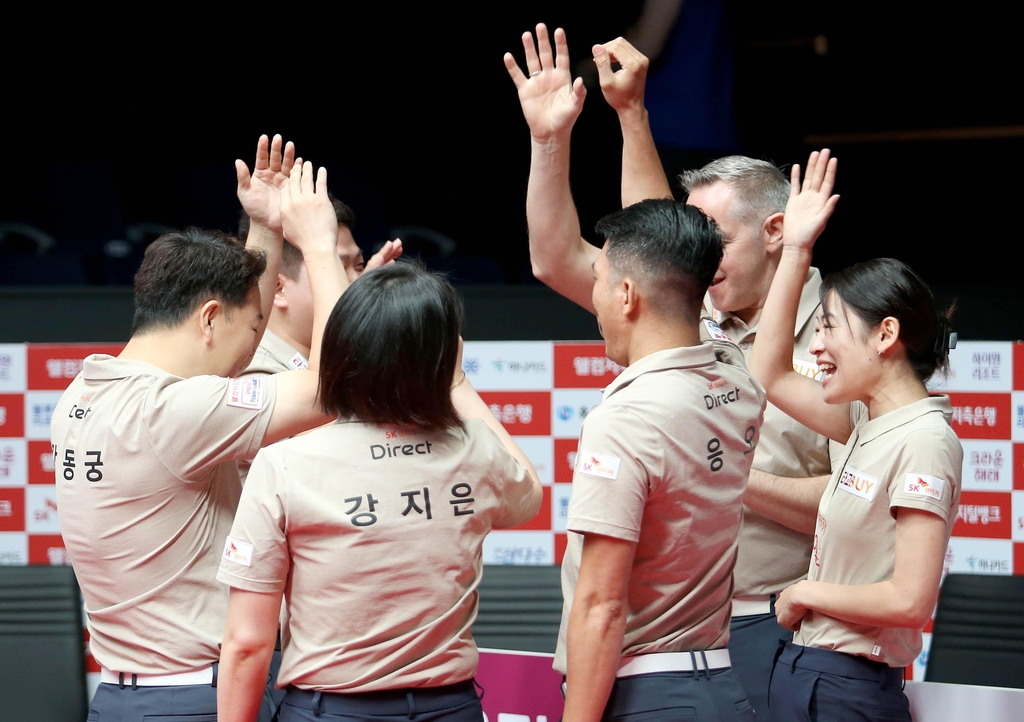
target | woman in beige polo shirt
[
  {"x": 884, "y": 520},
  {"x": 371, "y": 528}
]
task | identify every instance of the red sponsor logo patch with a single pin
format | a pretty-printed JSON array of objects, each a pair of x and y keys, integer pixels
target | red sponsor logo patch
[
  {"x": 984, "y": 514},
  {"x": 981, "y": 415},
  {"x": 40, "y": 463},
  {"x": 12, "y": 509},
  {"x": 12, "y": 415},
  {"x": 583, "y": 366},
  {"x": 54, "y": 366},
  {"x": 47, "y": 549},
  {"x": 565, "y": 459},
  {"x": 523, "y": 413}
]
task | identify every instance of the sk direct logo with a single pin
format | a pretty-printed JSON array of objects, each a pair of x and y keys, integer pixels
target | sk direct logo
[
  {"x": 607, "y": 467},
  {"x": 238, "y": 552},
  {"x": 921, "y": 485}
]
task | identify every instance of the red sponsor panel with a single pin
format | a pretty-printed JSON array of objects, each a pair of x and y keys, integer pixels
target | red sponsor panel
[
  {"x": 12, "y": 508},
  {"x": 12, "y": 415},
  {"x": 562, "y": 541},
  {"x": 541, "y": 522},
  {"x": 47, "y": 549},
  {"x": 40, "y": 463},
  {"x": 981, "y": 416},
  {"x": 1018, "y": 466},
  {"x": 1018, "y": 559},
  {"x": 984, "y": 514},
  {"x": 583, "y": 366},
  {"x": 1018, "y": 366},
  {"x": 523, "y": 413},
  {"x": 91, "y": 665},
  {"x": 565, "y": 459},
  {"x": 53, "y": 366}
]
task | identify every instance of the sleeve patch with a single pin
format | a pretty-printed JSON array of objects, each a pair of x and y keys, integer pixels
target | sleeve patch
[
  {"x": 298, "y": 361},
  {"x": 715, "y": 331},
  {"x": 238, "y": 552},
  {"x": 607, "y": 467},
  {"x": 246, "y": 393},
  {"x": 922, "y": 485}
]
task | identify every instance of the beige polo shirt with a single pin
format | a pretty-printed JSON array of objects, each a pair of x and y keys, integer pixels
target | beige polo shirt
[
  {"x": 275, "y": 355},
  {"x": 663, "y": 462},
  {"x": 772, "y": 556},
  {"x": 147, "y": 488},
  {"x": 375, "y": 536},
  {"x": 909, "y": 457}
]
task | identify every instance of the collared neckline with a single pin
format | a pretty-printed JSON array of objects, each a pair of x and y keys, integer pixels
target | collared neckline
[
  {"x": 873, "y": 428},
  {"x": 669, "y": 358},
  {"x": 103, "y": 367},
  {"x": 280, "y": 349},
  {"x": 809, "y": 303}
]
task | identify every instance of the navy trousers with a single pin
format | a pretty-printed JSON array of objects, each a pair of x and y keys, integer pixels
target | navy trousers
[
  {"x": 715, "y": 696},
  {"x": 753, "y": 641},
  {"x": 455, "y": 703}
]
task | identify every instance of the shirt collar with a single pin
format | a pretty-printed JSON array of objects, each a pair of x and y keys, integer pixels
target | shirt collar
[
  {"x": 103, "y": 367},
  {"x": 809, "y": 303},
  {"x": 670, "y": 358},
  {"x": 281, "y": 349},
  {"x": 896, "y": 418}
]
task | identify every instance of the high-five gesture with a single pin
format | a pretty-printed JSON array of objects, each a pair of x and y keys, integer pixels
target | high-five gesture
[
  {"x": 307, "y": 215},
  {"x": 811, "y": 204},
  {"x": 551, "y": 100},
  {"x": 387, "y": 254},
  {"x": 260, "y": 192},
  {"x": 623, "y": 88}
]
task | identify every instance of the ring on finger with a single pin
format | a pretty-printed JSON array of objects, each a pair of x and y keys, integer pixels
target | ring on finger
[{"x": 535, "y": 73}]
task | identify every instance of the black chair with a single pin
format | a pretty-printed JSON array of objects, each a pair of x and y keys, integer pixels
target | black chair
[
  {"x": 978, "y": 636},
  {"x": 520, "y": 608},
  {"x": 42, "y": 652}
]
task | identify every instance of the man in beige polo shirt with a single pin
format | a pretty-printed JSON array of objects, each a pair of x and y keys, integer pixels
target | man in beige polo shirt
[
  {"x": 746, "y": 198},
  {"x": 658, "y": 486},
  {"x": 146, "y": 442}
]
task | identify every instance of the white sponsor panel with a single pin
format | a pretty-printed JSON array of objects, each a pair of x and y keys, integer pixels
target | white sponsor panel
[
  {"x": 1017, "y": 415},
  {"x": 246, "y": 393},
  {"x": 13, "y": 462},
  {"x": 540, "y": 450},
  {"x": 13, "y": 548},
  {"x": 569, "y": 407},
  {"x": 923, "y": 485},
  {"x": 239, "y": 552},
  {"x": 13, "y": 367},
  {"x": 858, "y": 483},
  {"x": 978, "y": 366},
  {"x": 39, "y": 406},
  {"x": 988, "y": 465},
  {"x": 979, "y": 556},
  {"x": 560, "y": 494},
  {"x": 1017, "y": 510},
  {"x": 41, "y": 509},
  {"x": 509, "y": 366},
  {"x": 921, "y": 663},
  {"x": 594, "y": 464},
  {"x": 520, "y": 547}
]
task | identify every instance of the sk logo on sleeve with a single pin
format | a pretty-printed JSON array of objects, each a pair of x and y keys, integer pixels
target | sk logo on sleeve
[
  {"x": 607, "y": 467},
  {"x": 238, "y": 552},
  {"x": 922, "y": 485}
]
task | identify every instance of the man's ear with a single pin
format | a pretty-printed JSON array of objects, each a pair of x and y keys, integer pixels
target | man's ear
[
  {"x": 630, "y": 295},
  {"x": 280, "y": 297},
  {"x": 207, "y": 315},
  {"x": 771, "y": 232}
]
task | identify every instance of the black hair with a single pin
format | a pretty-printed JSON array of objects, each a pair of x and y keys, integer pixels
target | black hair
[
  {"x": 390, "y": 348},
  {"x": 883, "y": 287},
  {"x": 291, "y": 257},
  {"x": 675, "y": 245},
  {"x": 183, "y": 269}
]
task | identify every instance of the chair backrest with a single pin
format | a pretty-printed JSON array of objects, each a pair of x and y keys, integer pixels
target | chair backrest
[
  {"x": 42, "y": 653},
  {"x": 978, "y": 636},
  {"x": 520, "y": 608}
]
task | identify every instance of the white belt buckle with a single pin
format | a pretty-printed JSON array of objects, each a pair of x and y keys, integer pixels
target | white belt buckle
[
  {"x": 180, "y": 679},
  {"x": 673, "y": 662}
]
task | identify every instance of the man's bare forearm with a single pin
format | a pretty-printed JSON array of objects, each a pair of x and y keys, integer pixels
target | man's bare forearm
[
  {"x": 642, "y": 174},
  {"x": 791, "y": 502}
]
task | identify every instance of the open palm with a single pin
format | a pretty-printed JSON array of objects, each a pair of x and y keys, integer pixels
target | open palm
[
  {"x": 260, "y": 192},
  {"x": 550, "y": 99},
  {"x": 811, "y": 204}
]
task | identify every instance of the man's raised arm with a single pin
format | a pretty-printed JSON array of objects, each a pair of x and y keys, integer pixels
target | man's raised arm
[
  {"x": 642, "y": 174},
  {"x": 260, "y": 196},
  {"x": 551, "y": 102}
]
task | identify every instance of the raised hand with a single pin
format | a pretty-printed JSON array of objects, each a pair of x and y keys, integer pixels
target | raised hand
[
  {"x": 550, "y": 99},
  {"x": 811, "y": 204},
  {"x": 387, "y": 254},
  {"x": 623, "y": 88},
  {"x": 260, "y": 192},
  {"x": 307, "y": 216}
]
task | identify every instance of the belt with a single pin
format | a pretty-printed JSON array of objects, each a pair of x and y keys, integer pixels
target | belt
[
  {"x": 199, "y": 676},
  {"x": 749, "y": 606},
  {"x": 673, "y": 662}
]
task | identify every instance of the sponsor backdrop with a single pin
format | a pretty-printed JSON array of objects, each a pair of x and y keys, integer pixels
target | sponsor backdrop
[{"x": 542, "y": 392}]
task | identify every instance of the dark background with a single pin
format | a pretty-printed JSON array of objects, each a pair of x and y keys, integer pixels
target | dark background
[{"x": 111, "y": 122}]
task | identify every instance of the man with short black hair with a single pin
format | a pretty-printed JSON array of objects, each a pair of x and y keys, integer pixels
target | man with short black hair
[
  {"x": 658, "y": 486},
  {"x": 148, "y": 483},
  {"x": 747, "y": 199}
]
